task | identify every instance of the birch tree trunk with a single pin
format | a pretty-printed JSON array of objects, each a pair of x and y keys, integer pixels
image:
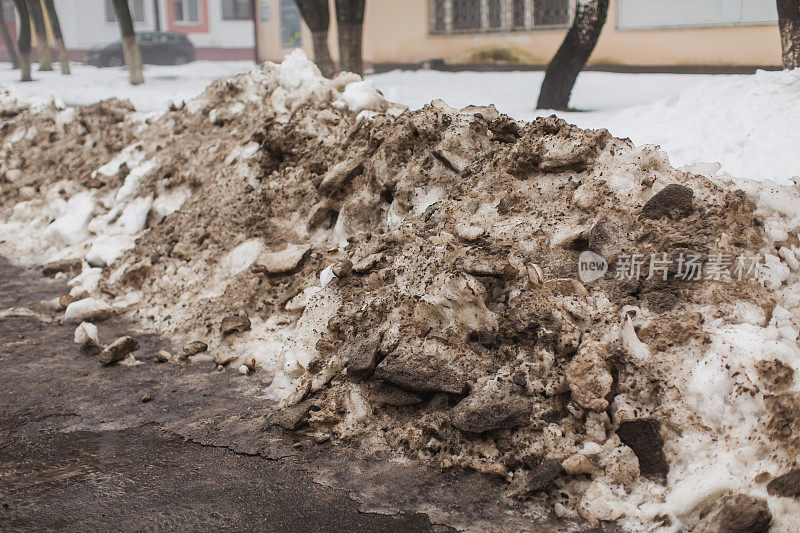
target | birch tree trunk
[
  {"x": 24, "y": 40},
  {"x": 58, "y": 38},
  {"x": 42, "y": 46},
  {"x": 789, "y": 27}
]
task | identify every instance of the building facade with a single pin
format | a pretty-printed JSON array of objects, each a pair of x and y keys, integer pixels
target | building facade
[
  {"x": 219, "y": 29},
  {"x": 668, "y": 34}
]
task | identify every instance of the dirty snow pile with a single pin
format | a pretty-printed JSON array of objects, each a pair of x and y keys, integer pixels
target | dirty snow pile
[{"x": 408, "y": 281}]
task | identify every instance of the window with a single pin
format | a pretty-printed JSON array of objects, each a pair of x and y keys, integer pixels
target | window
[
  {"x": 439, "y": 16},
  {"x": 519, "y": 13},
  {"x": 466, "y": 15},
  {"x": 237, "y": 10},
  {"x": 474, "y": 16},
  {"x": 646, "y": 14},
  {"x": 495, "y": 15},
  {"x": 136, "y": 7},
  {"x": 187, "y": 11},
  {"x": 291, "y": 25},
  {"x": 550, "y": 12}
]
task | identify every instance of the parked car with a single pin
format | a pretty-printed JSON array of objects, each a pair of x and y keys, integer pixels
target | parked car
[{"x": 156, "y": 47}]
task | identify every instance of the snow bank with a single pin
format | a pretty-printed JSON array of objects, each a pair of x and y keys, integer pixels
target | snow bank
[{"x": 413, "y": 278}]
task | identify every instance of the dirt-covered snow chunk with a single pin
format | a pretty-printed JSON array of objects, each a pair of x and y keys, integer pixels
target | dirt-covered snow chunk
[
  {"x": 361, "y": 355},
  {"x": 735, "y": 513},
  {"x": 86, "y": 335},
  {"x": 589, "y": 376},
  {"x": 193, "y": 348},
  {"x": 643, "y": 436},
  {"x": 786, "y": 485},
  {"x": 235, "y": 324},
  {"x": 423, "y": 367},
  {"x": 118, "y": 350},
  {"x": 282, "y": 261},
  {"x": 498, "y": 404},
  {"x": 88, "y": 309},
  {"x": 673, "y": 201}
]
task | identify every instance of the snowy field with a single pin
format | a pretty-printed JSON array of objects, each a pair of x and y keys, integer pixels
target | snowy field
[
  {"x": 748, "y": 124},
  {"x": 87, "y": 84}
]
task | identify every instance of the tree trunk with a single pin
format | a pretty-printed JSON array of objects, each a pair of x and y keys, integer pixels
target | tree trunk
[
  {"x": 24, "y": 39},
  {"x": 42, "y": 46},
  {"x": 350, "y": 22},
  {"x": 789, "y": 25},
  {"x": 130, "y": 47},
  {"x": 318, "y": 18},
  {"x": 58, "y": 39},
  {"x": 12, "y": 52},
  {"x": 563, "y": 70}
]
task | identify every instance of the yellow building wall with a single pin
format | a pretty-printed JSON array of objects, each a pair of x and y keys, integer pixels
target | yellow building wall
[{"x": 396, "y": 31}]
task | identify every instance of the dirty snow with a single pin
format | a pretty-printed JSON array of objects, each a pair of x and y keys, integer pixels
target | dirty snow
[{"x": 714, "y": 400}]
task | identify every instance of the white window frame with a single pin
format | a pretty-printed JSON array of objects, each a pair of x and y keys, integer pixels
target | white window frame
[
  {"x": 506, "y": 18},
  {"x": 185, "y": 3}
]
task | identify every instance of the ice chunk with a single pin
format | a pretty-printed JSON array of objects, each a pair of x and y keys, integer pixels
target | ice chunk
[
  {"x": 86, "y": 335},
  {"x": 133, "y": 180},
  {"x": 360, "y": 96},
  {"x": 108, "y": 248},
  {"x": 88, "y": 309},
  {"x": 133, "y": 218},
  {"x": 70, "y": 228}
]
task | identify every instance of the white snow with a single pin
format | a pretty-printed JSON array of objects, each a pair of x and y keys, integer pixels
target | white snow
[
  {"x": 108, "y": 248},
  {"x": 361, "y": 96},
  {"x": 87, "y": 309},
  {"x": 70, "y": 228},
  {"x": 86, "y": 334},
  {"x": 87, "y": 84}
]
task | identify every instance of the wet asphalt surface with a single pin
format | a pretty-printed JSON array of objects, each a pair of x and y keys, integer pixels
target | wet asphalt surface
[{"x": 80, "y": 451}]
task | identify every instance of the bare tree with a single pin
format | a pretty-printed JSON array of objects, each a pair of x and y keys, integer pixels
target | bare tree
[
  {"x": 58, "y": 39},
  {"x": 24, "y": 39},
  {"x": 789, "y": 25},
  {"x": 571, "y": 58},
  {"x": 350, "y": 24},
  {"x": 42, "y": 46},
  {"x": 318, "y": 18},
  {"x": 12, "y": 52},
  {"x": 130, "y": 48}
]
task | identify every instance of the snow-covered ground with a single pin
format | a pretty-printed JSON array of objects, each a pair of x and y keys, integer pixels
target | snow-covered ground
[
  {"x": 87, "y": 84},
  {"x": 748, "y": 124}
]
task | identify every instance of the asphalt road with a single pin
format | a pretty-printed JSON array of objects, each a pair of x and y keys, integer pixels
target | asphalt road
[{"x": 79, "y": 450}]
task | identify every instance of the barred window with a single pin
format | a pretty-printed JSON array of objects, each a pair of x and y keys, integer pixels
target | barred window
[
  {"x": 474, "y": 16},
  {"x": 519, "y": 13},
  {"x": 495, "y": 14},
  {"x": 466, "y": 15},
  {"x": 550, "y": 12},
  {"x": 439, "y": 16}
]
